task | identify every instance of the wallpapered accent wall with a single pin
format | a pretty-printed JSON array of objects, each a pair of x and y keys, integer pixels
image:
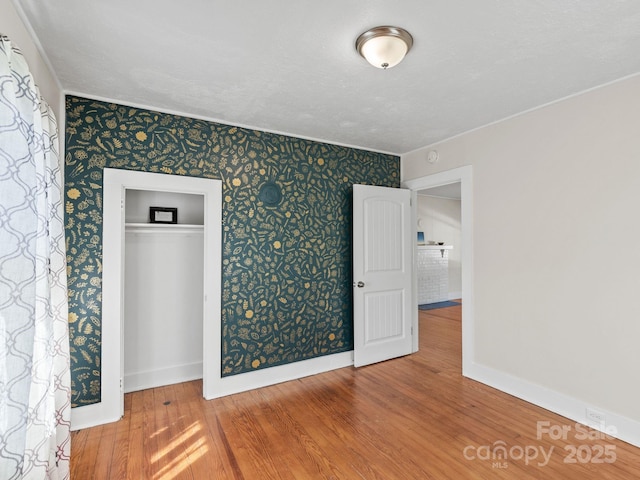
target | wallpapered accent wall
[{"x": 286, "y": 262}]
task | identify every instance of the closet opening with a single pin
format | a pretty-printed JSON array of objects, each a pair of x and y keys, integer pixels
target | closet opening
[
  {"x": 163, "y": 288},
  {"x": 125, "y": 215}
]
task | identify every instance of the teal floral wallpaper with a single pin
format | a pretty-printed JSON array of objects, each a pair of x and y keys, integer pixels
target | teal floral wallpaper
[{"x": 286, "y": 291}]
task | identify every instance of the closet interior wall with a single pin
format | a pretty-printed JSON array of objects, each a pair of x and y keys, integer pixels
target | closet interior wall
[{"x": 163, "y": 294}]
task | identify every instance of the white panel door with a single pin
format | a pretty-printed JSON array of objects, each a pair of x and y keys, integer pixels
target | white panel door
[{"x": 382, "y": 273}]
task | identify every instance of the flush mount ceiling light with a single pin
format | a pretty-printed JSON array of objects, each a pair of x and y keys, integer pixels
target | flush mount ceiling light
[{"x": 384, "y": 47}]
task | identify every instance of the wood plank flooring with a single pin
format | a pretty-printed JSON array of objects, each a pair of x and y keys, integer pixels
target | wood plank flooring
[{"x": 410, "y": 418}]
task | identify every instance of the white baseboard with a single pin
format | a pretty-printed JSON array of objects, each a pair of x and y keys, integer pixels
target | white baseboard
[
  {"x": 88, "y": 416},
  {"x": 618, "y": 426},
  {"x": 166, "y": 376},
  {"x": 99, "y": 413},
  {"x": 454, "y": 295}
]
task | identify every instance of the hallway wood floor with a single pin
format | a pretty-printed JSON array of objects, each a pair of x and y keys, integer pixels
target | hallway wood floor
[{"x": 410, "y": 418}]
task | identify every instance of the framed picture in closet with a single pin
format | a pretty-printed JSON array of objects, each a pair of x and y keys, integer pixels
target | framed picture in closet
[{"x": 163, "y": 215}]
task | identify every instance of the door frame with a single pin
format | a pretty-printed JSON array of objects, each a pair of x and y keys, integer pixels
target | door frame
[
  {"x": 115, "y": 184},
  {"x": 463, "y": 175},
  {"x": 375, "y": 283}
]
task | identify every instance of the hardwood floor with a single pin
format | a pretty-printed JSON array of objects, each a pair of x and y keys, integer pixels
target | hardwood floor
[{"x": 408, "y": 418}]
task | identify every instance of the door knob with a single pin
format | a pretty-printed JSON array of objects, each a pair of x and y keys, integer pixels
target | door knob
[{"x": 360, "y": 284}]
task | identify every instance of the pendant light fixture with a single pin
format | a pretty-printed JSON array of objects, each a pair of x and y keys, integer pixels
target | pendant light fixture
[{"x": 384, "y": 47}]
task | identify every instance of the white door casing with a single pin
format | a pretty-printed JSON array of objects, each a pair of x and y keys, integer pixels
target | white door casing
[
  {"x": 382, "y": 273},
  {"x": 115, "y": 183},
  {"x": 463, "y": 175}
]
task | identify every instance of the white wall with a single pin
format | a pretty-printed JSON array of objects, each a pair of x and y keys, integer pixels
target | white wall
[
  {"x": 439, "y": 219},
  {"x": 556, "y": 245},
  {"x": 11, "y": 25},
  {"x": 190, "y": 207},
  {"x": 163, "y": 306}
]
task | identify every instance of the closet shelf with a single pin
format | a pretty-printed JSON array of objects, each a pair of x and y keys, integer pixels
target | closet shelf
[{"x": 162, "y": 227}]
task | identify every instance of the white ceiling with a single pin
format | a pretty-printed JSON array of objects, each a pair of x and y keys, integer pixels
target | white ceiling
[{"x": 291, "y": 66}]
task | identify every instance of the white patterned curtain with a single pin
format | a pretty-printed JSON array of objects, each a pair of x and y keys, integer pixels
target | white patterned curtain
[{"x": 34, "y": 340}]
